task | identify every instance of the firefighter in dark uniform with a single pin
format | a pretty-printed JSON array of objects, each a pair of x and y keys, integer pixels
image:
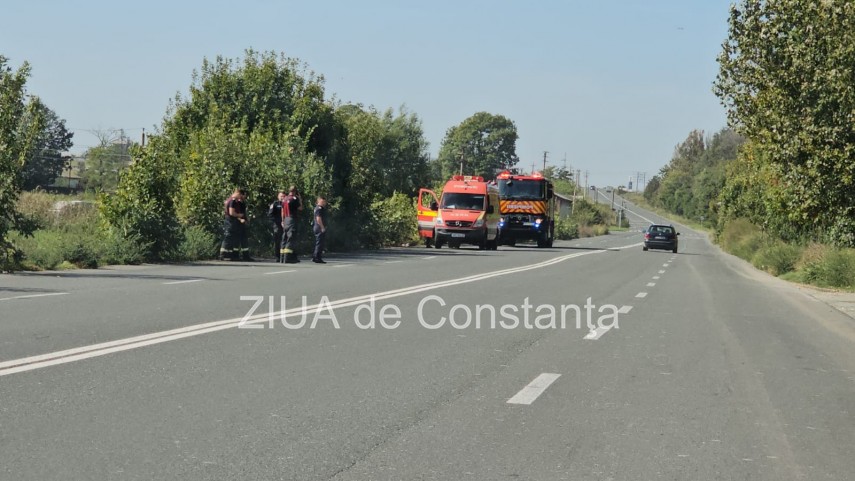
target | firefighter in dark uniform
[
  {"x": 235, "y": 243},
  {"x": 319, "y": 228},
  {"x": 291, "y": 207},
  {"x": 274, "y": 213}
]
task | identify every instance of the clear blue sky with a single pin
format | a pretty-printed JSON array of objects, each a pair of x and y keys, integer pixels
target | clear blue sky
[{"x": 613, "y": 84}]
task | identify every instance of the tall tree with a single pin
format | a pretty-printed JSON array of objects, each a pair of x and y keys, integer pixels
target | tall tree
[
  {"x": 17, "y": 138},
  {"x": 46, "y": 159},
  {"x": 105, "y": 161},
  {"x": 785, "y": 76},
  {"x": 485, "y": 143}
]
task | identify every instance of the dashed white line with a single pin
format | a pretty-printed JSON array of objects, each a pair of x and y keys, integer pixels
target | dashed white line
[
  {"x": 641, "y": 295},
  {"x": 534, "y": 389},
  {"x": 600, "y": 331},
  {"x": 665, "y": 265},
  {"x": 30, "y": 296},
  {"x": 651, "y": 284},
  {"x": 183, "y": 282},
  {"x": 656, "y": 277},
  {"x": 279, "y": 272},
  {"x": 661, "y": 272}
]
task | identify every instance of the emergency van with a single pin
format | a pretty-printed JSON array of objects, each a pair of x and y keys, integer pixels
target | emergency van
[{"x": 466, "y": 213}]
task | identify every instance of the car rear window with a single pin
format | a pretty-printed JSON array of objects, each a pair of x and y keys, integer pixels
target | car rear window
[{"x": 661, "y": 229}]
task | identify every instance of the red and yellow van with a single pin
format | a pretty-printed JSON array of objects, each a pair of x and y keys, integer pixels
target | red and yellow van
[{"x": 467, "y": 213}]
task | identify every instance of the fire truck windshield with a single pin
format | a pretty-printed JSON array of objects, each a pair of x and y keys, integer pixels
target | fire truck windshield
[
  {"x": 457, "y": 200},
  {"x": 522, "y": 189}
]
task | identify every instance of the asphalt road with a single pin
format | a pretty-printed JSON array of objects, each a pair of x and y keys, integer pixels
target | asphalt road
[{"x": 697, "y": 368}]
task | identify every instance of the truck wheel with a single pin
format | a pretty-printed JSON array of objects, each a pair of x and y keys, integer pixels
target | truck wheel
[{"x": 438, "y": 244}]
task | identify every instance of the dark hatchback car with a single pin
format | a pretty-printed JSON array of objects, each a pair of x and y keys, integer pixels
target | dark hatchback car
[{"x": 661, "y": 237}]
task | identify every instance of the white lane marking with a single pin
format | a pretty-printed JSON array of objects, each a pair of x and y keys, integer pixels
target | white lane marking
[
  {"x": 342, "y": 265},
  {"x": 656, "y": 277},
  {"x": 95, "y": 350},
  {"x": 279, "y": 272},
  {"x": 534, "y": 389},
  {"x": 651, "y": 284},
  {"x": 429, "y": 257},
  {"x": 665, "y": 265},
  {"x": 661, "y": 272},
  {"x": 393, "y": 262},
  {"x": 30, "y": 296},
  {"x": 597, "y": 333},
  {"x": 641, "y": 295},
  {"x": 183, "y": 282}
]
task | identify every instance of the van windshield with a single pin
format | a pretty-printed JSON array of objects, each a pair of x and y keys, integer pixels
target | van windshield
[{"x": 456, "y": 200}]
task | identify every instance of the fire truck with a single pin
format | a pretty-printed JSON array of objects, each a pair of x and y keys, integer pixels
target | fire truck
[
  {"x": 467, "y": 213},
  {"x": 527, "y": 208}
]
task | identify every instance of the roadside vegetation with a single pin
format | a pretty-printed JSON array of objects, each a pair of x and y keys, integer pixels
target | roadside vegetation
[
  {"x": 777, "y": 187},
  {"x": 588, "y": 219},
  {"x": 262, "y": 122}
]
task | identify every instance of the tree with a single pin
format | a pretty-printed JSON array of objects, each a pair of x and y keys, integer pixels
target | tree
[
  {"x": 785, "y": 76},
  {"x": 259, "y": 123},
  {"x": 45, "y": 161},
  {"x": 485, "y": 143},
  {"x": 105, "y": 161},
  {"x": 17, "y": 138}
]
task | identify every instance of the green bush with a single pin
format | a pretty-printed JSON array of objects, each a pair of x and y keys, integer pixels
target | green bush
[
  {"x": 565, "y": 229},
  {"x": 833, "y": 268},
  {"x": 777, "y": 257},
  {"x": 118, "y": 249},
  {"x": 394, "y": 220},
  {"x": 741, "y": 238},
  {"x": 198, "y": 244}
]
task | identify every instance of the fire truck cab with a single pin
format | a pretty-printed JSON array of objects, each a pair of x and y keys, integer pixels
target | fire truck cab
[
  {"x": 467, "y": 213},
  {"x": 527, "y": 208}
]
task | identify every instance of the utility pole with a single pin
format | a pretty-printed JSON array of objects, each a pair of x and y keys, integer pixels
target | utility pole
[
  {"x": 586, "y": 182},
  {"x": 461, "y": 161},
  {"x": 533, "y": 166},
  {"x": 544, "y": 159},
  {"x": 565, "y": 161},
  {"x": 143, "y": 137}
]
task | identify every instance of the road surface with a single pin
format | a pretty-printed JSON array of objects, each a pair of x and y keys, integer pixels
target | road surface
[{"x": 693, "y": 367}]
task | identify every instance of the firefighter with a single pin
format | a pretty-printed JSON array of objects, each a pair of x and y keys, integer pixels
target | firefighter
[
  {"x": 274, "y": 213},
  {"x": 319, "y": 228},
  {"x": 291, "y": 207},
  {"x": 235, "y": 245}
]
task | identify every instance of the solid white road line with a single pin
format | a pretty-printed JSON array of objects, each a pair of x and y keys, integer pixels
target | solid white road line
[
  {"x": 342, "y": 265},
  {"x": 279, "y": 272},
  {"x": 393, "y": 262},
  {"x": 429, "y": 257},
  {"x": 534, "y": 389},
  {"x": 30, "y": 296},
  {"x": 95, "y": 350},
  {"x": 182, "y": 282},
  {"x": 641, "y": 295},
  {"x": 600, "y": 331}
]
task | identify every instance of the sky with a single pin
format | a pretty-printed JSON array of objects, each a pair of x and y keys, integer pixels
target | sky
[{"x": 611, "y": 86}]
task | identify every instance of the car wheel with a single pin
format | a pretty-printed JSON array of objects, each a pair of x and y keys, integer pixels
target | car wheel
[
  {"x": 644, "y": 248},
  {"x": 674, "y": 251}
]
